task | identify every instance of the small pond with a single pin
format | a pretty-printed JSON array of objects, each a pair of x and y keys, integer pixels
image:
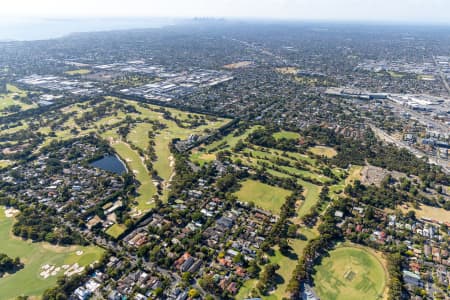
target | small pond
[{"x": 110, "y": 163}]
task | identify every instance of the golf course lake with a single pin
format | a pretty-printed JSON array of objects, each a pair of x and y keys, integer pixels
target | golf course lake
[{"x": 110, "y": 163}]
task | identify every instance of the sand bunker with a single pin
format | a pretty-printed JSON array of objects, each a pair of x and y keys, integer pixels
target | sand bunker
[
  {"x": 52, "y": 271},
  {"x": 11, "y": 212},
  {"x": 171, "y": 161}
]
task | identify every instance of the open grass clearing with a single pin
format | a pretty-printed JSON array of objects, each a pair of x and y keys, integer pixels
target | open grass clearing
[
  {"x": 286, "y": 135},
  {"x": 164, "y": 164},
  {"x": 28, "y": 281},
  {"x": 5, "y": 163},
  {"x": 8, "y": 99},
  {"x": 323, "y": 150},
  {"x": 138, "y": 135},
  {"x": 15, "y": 129},
  {"x": 426, "y": 77},
  {"x": 351, "y": 272},
  {"x": 146, "y": 189},
  {"x": 201, "y": 157},
  {"x": 288, "y": 70},
  {"x": 78, "y": 72},
  {"x": 428, "y": 212},
  {"x": 353, "y": 174},
  {"x": 336, "y": 190},
  {"x": 298, "y": 156},
  {"x": 267, "y": 197},
  {"x": 311, "y": 193},
  {"x": 229, "y": 141},
  {"x": 395, "y": 74},
  {"x": 116, "y": 230},
  {"x": 304, "y": 173}
]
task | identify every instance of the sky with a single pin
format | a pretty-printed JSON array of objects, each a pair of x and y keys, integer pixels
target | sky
[{"x": 411, "y": 11}]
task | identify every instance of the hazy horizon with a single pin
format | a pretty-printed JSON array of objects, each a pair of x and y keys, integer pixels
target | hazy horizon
[
  {"x": 42, "y": 28},
  {"x": 416, "y": 11},
  {"x": 31, "y": 20}
]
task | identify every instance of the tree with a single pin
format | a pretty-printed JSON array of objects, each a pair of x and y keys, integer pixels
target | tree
[
  {"x": 239, "y": 259},
  {"x": 186, "y": 277},
  {"x": 193, "y": 293},
  {"x": 284, "y": 246}
]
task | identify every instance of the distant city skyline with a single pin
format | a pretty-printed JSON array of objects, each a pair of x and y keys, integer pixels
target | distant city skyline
[{"x": 401, "y": 11}]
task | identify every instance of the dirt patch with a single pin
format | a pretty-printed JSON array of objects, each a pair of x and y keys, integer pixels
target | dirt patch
[
  {"x": 241, "y": 64},
  {"x": 287, "y": 70},
  {"x": 375, "y": 175}
]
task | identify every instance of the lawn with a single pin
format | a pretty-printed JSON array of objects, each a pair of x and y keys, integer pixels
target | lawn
[
  {"x": 322, "y": 150},
  {"x": 351, "y": 273},
  {"x": 202, "y": 157},
  {"x": 7, "y": 100},
  {"x": 5, "y": 163},
  {"x": 394, "y": 74},
  {"x": 13, "y": 128},
  {"x": 147, "y": 189},
  {"x": 163, "y": 164},
  {"x": 78, "y": 72},
  {"x": 28, "y": 280},
  {"x": 288, "y": 70},
  {"x": 430, "y": 212},
  {"x": 139, "y": 135},
  {"x": 116, "y": 230},
  {"x": 286, "y": 135},
  {"x": 307, "y": 174},
  {"x": 426, "y": 77},
  {"x": 264, "y": 196},
  {"x": 311, "y": 193},
  {"x": 229, "y": 141},
  {"x": 354, "y": 174}
]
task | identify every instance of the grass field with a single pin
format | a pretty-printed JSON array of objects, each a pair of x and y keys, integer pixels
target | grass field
[
  {"x": 7, "y": 100},
  {"x": 116, "y": 230},
  {"x": 286, "y": 135},
  {"x": 287, "y": 70},
  {"x": 307, "y": 174},
  {"x": 227, "y": 142},
  {"x": 425, "y": 211},
  {"x": 264, "y": 196},
  {"x": 311, "y": 193},
  {"x": 350, "y": 273},
  {"x": 78, "y": 72},
  {"x": 28, "y": 281},
  {"x": 139, "y": 135},
  {"x": 147, "y": 189},
  {"x": 426, "y": 77},
  {"x": 253, "y": 156},
  {"x": 202, "y": 157},
  {"x": 163, "y": 164},
  {"x": 322, "y": 150},
  {"x": 394, "y": 74},
  {"x": 354, "y": 174},
  {"x": 5, "y": 163}
]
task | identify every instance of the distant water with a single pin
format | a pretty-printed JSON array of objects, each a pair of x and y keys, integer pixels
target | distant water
[
  {"x": 111, "y": 164},
  {"x": 42, "y": 29}
]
